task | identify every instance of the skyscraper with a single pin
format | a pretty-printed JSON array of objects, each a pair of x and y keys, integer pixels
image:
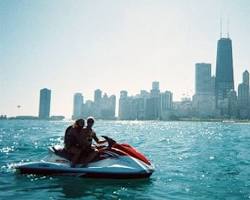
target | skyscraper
[
  {"x": 44, "y": 105},
  {"x": 246, "y": 78},
  {"x": 243, "y": 96},
  {"x": 213, "y": 85},
  {"x": 203, "y": 81},
  {"x": 107, "y": 108},
  {"x": 224, "y": 81},
  {"x": 97, "y": 96},
  {"x": 166, "y": 101},
  {"x": 112, "y": 100},
  {"x": 155, "y": 91},
  {"x": 124, "y": 105},
  {"x": 203, "y": 100},
  {"x": 232, "y": 104},
  {"x": 153, "y": 104},
  {"x": 77, "y": 107}
]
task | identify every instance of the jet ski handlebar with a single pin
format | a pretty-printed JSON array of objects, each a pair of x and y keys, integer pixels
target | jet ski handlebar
[{"x": 110, "y": 141}]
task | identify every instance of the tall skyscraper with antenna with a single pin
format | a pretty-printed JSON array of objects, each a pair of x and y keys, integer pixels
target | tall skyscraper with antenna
[{"x": 224, "y": 81}]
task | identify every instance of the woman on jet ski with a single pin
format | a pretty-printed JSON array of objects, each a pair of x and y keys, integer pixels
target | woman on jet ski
[
  {"x": 89, "y": 151},
  {"x": 72, "y": 140}
]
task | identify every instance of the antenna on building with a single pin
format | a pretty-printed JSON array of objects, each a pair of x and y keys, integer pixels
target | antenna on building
[
  {"x": 220, "y": 27},
  {"x": 228, "y": 27}
]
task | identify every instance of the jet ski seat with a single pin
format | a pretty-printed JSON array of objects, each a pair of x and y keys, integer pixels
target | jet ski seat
[{"x": 61, "y": 152}]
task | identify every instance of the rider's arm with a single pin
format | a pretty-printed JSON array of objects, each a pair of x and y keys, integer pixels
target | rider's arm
[{"x": 96, "y": 138}]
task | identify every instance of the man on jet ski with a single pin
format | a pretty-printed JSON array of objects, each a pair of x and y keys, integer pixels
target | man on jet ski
[
  {"x": 88, "y": 135},
  {"x": 72, "y": 140}
]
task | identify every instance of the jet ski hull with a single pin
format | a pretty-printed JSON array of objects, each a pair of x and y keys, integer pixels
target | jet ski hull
[
  {"x": 123, "y": 167},
  {"x": 119, "y": 161},
  {"x": 105, "y": 175}
]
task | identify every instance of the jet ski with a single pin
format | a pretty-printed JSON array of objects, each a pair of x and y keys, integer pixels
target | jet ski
[{"x": 114, "y": 160}]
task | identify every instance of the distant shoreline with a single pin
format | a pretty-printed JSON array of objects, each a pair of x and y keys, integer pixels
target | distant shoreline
[{"x": 177, "y": 120}]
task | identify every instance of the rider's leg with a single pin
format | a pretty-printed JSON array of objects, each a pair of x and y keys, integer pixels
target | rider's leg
[
  {"x": 91, "y": 156},
  {"x": 76, "y": 153}
]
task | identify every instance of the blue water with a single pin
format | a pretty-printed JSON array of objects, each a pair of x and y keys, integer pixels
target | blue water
[{"x": 193, "y": 160}]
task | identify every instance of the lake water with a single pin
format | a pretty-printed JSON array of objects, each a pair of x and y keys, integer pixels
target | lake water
[{"x": 193, "y": 160}]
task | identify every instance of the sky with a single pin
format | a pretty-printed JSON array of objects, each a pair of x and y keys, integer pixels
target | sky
[{"x": 81, "y": 45}]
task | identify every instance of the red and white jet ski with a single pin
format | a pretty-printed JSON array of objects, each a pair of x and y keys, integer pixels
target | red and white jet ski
[{"x": 120, "y": 161}]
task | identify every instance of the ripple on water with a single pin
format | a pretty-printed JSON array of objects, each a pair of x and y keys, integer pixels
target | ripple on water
[{"x": 192, "y": 160}]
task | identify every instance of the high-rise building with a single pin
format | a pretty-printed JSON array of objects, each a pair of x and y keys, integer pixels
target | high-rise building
[
  {"x": 44, "y": 105},
  {"x": 155, "y": 85},
  {"x": 246, "y": 81},
  {"x": 153, "y": 103},
  {"x": 97, "y": 96},
  {"x": 87, "y": 109},
  {"x": 243, "y": 100},
  {"x": 155, "y": 91},
  {"x": 141, "y": 105},
  {"x": 144, "y": 94},
  {"x": 232, "y": 104},
  {"x": 246, "y": 78},
  {"x": 123, "y": 94},
  {"x": 204, "y": 99},
  {"x": 166, "y": 101},
  {"x": 203, "y": 81},
  {"x": 166, "y": 105},
  {"x": 183, "y": 108},
  {"x": 77, "y": 107},
  {"x": 112, "y": 100},
  {"x": 152, "y": 108},
  {"x": 107, "y": 108},
  {"x": 213, "y": 85},
  {"x": 103, "y": 106},
  {"x": 96, "y": 111},
  {"x": 124, "y": 106},
  {"x": 224, "y": 81},
  {"x": 243, "y": 96}
]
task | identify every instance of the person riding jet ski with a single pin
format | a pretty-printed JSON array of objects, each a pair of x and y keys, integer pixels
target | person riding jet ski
[
  {"x": 78, "y": 142},
  {"x": 89, "y": 152},
  {"x": 72, "y": 140}
]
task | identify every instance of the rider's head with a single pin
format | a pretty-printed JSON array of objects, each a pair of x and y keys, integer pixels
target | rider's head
[
  {"x": 90, "y": 122},
  {"x": 79, "y": 123}
]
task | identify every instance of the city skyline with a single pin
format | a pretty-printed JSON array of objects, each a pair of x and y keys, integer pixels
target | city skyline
[
  {"x": 126, "y": 52},
  {"x": 156, "y": 104}
]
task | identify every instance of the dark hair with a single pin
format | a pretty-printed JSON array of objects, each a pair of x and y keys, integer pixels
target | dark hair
[
  {"x": 80, "y": 122},
  {"x": 90, "y": 121}
]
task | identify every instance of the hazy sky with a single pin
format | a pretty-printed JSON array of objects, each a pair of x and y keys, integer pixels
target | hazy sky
[{"x": 78, "y": 46}]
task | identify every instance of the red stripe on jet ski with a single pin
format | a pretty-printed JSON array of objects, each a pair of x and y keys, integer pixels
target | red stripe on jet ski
[
  {"x": 119, "y": 151},
  {"x": 132, "y": 152}
]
